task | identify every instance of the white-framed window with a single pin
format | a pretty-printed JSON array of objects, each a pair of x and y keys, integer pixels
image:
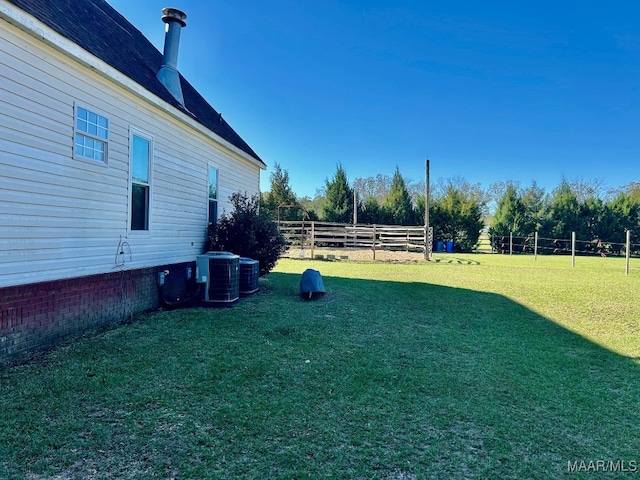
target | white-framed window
[
  {"x": 213, "y": 195},
  {"x": 140, "y": 158},
  {"x": 91, "y": 134}
]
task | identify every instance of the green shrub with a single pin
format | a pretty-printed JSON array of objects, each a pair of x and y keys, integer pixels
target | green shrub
[{"x": 247, "y": 232}]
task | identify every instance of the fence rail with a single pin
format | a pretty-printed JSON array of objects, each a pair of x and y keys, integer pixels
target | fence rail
[
  {"x": 339, "y": 235},
  {"x": 312, "y": 234},
  {"x": 535, "y": 245}
]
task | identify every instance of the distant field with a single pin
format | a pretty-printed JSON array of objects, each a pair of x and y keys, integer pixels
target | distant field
[{"x": 471, "y": 366}]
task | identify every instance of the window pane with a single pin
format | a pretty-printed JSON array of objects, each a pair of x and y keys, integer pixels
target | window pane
[
  {"x": 140, "y": 158},
  {"x": 139, "y": 207},
  {"x": 99, "y": 151},
  {"x": 213, "y": 183},
  {"x": 91, "y": 134},
  {"x": 213, "y": 212},
  {"x": 90, "y": 148}
]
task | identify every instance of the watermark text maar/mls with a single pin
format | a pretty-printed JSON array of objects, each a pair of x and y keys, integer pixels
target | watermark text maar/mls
[{"x": 628, "y": 466}]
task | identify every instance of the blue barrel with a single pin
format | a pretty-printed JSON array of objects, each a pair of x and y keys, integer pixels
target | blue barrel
[
  {"x": 449, "y": 247},
  {"x": 440, "y": 246}
]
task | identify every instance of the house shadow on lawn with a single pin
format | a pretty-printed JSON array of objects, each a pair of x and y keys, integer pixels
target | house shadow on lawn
[
  {"x": 377, "y": 379},
  {"x": 496, "y": 389}
]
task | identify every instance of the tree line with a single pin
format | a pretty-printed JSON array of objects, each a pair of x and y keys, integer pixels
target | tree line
[
  {"x": 568, "y": 208},
  {"x": 458, "y": 210}
]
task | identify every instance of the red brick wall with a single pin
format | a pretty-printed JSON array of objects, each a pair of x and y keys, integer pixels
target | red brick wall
[{"x": 37, "y": 316}]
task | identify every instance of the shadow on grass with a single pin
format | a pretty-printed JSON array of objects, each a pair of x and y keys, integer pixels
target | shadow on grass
[
  {"x": 520, "y": 385},
  {"x": 377, "y": 379},
  {"x": 455, "y": 260}
]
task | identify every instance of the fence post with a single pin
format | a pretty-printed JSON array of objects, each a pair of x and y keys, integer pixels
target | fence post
[
  {"x": 510, "y": 243},
  {"x": 573, "y": 249},
  {"x": 313, "y": 237},
  {"x": 426, "y": 239},
  {"x": 535, "y": 246},
  {"x": 627, "y": 253},
  {"x": 373, "y": 243}
]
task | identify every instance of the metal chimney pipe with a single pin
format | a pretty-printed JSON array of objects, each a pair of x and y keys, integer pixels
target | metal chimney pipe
[
  {"x": 168, "y": 73},
  {"x": 174, "y": 20}
]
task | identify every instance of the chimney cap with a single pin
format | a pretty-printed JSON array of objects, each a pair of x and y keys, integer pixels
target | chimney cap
[{"x": 174, "y": 15}]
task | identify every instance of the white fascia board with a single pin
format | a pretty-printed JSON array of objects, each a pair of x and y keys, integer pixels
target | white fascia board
[{"x": 40, "y": 31}]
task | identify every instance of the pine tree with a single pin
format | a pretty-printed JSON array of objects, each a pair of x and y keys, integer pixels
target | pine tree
[
  {"x": 339, "y": 198},
  {"x": 369, "y": 211},
  {"x": 564, "y": 215},
  {"x": 397, "y": 207},
  {"x": 510, "y": 218},
  {"x": 456, "y": 214},
  {"x": 281, "y": 194}
]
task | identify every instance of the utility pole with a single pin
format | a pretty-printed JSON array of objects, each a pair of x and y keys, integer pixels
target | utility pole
[
  {"x": 355, "y": 208},
  {"x": 427, "y": 239}
]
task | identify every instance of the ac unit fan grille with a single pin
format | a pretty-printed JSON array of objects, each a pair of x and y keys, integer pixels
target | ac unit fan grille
[{"x": 249, "y": 274}]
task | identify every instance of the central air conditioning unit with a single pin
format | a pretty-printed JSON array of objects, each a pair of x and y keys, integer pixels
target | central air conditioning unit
[
  {"x": 220, "y": 272},
  {"x": 249, "y": 273}
]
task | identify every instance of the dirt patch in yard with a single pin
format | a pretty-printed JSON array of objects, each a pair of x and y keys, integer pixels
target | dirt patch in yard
[{"x": 356, "y": 254}]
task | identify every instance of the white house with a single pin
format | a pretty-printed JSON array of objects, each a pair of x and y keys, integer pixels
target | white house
[{"x": 111, "y": 167}]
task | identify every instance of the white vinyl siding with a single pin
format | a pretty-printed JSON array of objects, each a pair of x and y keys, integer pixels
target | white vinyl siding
[{"x": 62, "y": 216}]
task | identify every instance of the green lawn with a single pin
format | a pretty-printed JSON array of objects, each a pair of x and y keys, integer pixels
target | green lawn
[{"x": 472, "y": 366}]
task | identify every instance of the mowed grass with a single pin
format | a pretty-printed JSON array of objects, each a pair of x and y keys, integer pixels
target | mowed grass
[{"x": 476, "y": 366}]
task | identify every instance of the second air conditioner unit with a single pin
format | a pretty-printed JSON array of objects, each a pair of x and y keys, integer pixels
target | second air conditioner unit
[{"x": 249, "y": 273}]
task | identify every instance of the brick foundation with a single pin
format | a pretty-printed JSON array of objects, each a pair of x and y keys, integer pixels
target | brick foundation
[{"x": 38, "y": 316}]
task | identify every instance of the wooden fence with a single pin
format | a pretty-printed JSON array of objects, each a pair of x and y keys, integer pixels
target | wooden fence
[{"x": 312, "y": 234}]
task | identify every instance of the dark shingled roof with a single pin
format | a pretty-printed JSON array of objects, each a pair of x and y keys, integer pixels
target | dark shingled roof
[{"x": 99, "y": 29}]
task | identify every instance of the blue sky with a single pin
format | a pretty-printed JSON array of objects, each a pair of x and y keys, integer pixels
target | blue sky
[{"x": 490, "y": 91}]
